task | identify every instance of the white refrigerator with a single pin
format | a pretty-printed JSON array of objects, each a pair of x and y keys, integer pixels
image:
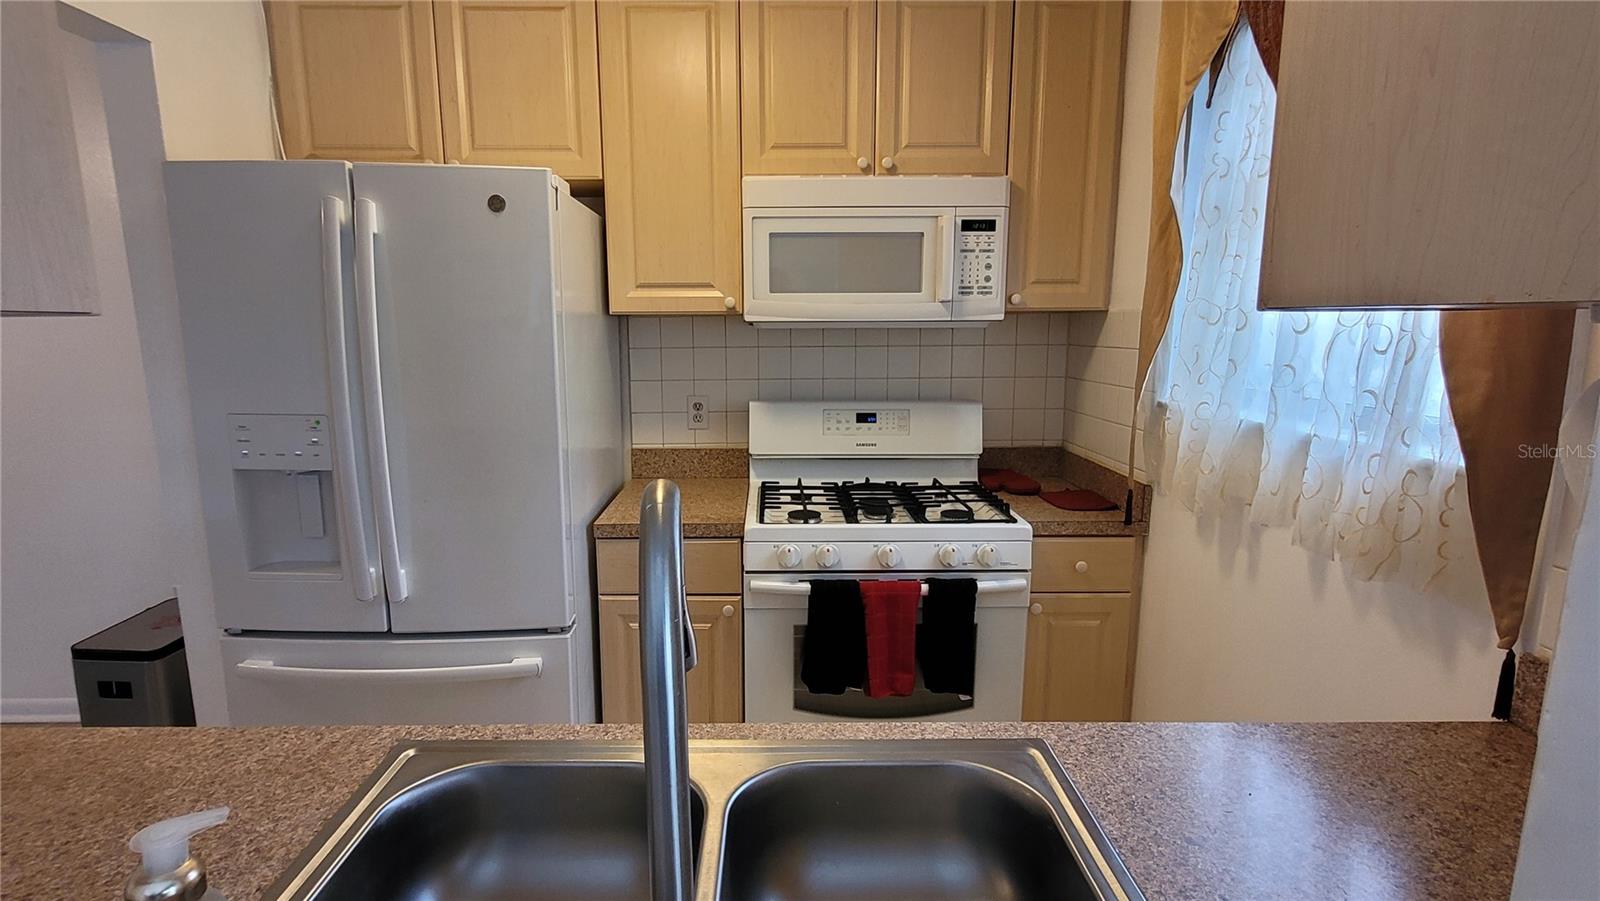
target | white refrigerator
[{"x": 407, "y": 409}]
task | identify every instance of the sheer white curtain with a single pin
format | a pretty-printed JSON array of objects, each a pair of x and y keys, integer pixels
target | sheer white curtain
[{"x": 1332, "y": 423}]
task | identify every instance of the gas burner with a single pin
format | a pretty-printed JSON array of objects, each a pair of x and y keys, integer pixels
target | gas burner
[
  {"x": 879, "y": 511},
  {"x": 805, "y": 514},
  {"x": 956, "y": 514},
  {"x": 872, "y": 502}
]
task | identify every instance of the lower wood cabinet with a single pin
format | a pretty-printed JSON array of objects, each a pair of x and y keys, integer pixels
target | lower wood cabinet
[
  {"x": 1076, "y": 667},
  {"x": 714, "y": 688}
]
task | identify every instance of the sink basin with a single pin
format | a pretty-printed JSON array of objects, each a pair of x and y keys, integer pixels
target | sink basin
[
  {"x": 893, "y": 831},
  {"x": 772, "y": 821},
  {"x": 510, "y": 831}
]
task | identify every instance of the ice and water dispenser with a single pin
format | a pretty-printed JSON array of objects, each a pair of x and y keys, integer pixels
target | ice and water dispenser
[{"x": 283, "y": 482}]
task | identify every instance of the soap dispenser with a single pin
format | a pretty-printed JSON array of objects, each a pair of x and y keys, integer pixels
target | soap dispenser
[{"x": 168, "y": 872}]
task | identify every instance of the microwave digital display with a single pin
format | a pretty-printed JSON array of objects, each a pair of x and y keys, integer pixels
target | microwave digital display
[
  {"x": 977, "y": 225},
  {"x": 866, "y": 417}
]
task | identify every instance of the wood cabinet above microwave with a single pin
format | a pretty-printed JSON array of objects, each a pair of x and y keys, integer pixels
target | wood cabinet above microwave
[
  {"x": 1435, "y": 155},
  {"x": 892, "y": 87}
]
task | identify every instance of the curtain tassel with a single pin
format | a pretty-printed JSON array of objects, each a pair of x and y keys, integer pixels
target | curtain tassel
[{"x": 1508, "y": 682}]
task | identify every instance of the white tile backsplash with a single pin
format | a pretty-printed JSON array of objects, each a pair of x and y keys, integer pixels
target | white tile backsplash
[
  {"x": 1019, "y": 373},
  {"x": 1101, "y": 357}
]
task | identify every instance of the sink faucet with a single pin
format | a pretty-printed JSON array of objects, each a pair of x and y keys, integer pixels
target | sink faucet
[{"x": 667, "y": 653}]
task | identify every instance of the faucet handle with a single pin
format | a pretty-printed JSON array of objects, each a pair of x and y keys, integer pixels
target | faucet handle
[{"x": 691, "y": 654}]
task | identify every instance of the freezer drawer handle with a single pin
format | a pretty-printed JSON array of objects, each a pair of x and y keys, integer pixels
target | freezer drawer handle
[
  {"x": 805, "y": 587},
  {"x": 519, "y": 668}
]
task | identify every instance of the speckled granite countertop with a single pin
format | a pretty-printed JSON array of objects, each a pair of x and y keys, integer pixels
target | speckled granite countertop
[
  {"x": 1197, "y": 810},
  {"x": 712, "y": 508}
]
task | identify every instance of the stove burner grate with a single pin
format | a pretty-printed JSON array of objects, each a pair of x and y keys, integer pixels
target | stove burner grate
[{"x": 879, "y": 502}]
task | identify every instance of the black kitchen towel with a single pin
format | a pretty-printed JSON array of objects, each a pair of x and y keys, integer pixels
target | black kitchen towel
[
  {"x": 833, "y": 654},
  {"x": 947, "y": 640}
]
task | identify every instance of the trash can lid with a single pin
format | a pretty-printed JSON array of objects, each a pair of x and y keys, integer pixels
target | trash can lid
[{"x": 149, "y": 635}]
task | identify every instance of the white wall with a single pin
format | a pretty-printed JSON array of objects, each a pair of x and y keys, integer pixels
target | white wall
[
  {"x": 213, "y": 75},
  {"x": 1561, "y": 831},
  {"x": 1236, "y": 622},
  {"x": 81, "y": 494}
]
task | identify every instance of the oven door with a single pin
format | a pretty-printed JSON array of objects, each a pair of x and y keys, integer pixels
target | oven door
[
  {"x": 774, "y": 627},
  {"x": 849, "y": 264}
]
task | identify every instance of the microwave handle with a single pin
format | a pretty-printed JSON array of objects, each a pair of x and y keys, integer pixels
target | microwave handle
[{"x": 946, "y": 259}]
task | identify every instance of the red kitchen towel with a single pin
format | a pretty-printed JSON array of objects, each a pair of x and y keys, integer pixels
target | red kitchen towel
[{"x": 891, "y": 637}]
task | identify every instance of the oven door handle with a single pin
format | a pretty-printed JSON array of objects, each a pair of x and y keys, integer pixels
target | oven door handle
[{"x": 799, "y": 588}]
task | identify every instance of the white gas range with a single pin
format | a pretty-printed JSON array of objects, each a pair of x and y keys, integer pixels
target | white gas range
[{"x": 876, "y": 491}]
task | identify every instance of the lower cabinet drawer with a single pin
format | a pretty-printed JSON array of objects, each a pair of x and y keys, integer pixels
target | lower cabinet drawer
[
  {"x": 1084, "y": 564},
  {"x": 710, "y": 565},
  {"x": 714, "y": 689},
  {"x": 1076, "y": 665}
]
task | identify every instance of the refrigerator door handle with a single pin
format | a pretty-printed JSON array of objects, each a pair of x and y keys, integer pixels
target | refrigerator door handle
[
  {"x": 372, "y": 393},
  {"x": 352, "y": 519},
  {"x": 517, "y": 668}
]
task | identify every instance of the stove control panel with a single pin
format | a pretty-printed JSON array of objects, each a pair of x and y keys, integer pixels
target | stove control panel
[
  {"x": 910, "y": 557},
  {"x": 866, "y": 422}
]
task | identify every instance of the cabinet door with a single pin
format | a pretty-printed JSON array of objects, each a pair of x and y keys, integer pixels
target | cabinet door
[
  {"x": 1077, "y": 659},
  {"x": 355, "y": 80},
  {"x": 520, "y": 84},
  {"x": 669, "y": 82},
  {"x": 1435, "y": 155},
  {"x": 1066, "y": 118},
  {"x": 807, "y": 91},
  {"x": 944, "y": 86},
  {"x": 714, "y": 688}
]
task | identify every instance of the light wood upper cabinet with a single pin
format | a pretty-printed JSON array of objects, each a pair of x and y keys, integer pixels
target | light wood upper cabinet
[
  {"x": 1435, "y": 155},
  {"x": 669, "y": 84},
  {"x": 1076, "y": 666},
  {"x": 519, "y": 84},
  {"x": 356, "y": 80},
  {"x": 1066, "y": 119},
  {"x": 807, "y": 86},
  {"x": 944, "y": 86},
  {"x": 713, "y": 690}
]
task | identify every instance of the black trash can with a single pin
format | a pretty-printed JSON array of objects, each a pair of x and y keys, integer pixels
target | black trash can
[{"x": 135, "y": 673}]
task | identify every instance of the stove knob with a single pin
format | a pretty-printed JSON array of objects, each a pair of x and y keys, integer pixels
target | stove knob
[
  {"x": 889, "y": 556},
  {"x": 788, "y": 556},
  {"x": 827, "y": 556},
  {"x": 950, "y": 555},
  {"x": 988, "y": 555}
]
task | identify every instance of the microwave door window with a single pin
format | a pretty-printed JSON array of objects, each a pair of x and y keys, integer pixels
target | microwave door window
[{"x": 845, "y": 263}]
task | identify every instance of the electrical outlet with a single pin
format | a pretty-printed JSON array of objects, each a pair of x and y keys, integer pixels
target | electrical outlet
[{"x": 699, "y": 412}]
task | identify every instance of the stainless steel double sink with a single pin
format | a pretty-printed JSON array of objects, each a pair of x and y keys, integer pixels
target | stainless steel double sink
[{"x": 880, "y": 820}]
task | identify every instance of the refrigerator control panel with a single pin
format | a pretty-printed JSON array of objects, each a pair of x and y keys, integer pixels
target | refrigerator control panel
[{"x": 288, "y": 441}]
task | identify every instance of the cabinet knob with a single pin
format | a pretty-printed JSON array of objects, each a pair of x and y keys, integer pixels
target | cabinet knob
[
  {"x": 1082, "y": 566},
  {"x": 1016, "y": 300},
  {"x": 727, "y": 610},
  {"x": 888, "y": 162},
  {"x": 863, "y": 163},
  {"x": 1036, "y": 609},
  {"x": 728, "y": 303}
]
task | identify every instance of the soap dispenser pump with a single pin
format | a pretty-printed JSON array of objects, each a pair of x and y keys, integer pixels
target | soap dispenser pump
[{"x": 168, "y": 872}]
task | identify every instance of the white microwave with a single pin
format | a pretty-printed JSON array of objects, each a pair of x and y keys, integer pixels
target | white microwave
[{"x": 874, "y": 250}]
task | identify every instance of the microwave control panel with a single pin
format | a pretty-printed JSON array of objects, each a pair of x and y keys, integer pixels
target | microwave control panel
[{"x": 980, "y": 257}]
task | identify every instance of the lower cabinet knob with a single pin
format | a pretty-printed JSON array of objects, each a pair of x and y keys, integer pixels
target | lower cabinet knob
[
  {"x": 1082, "y": 566},
  {"x": 863, "y": 163},
  {"x": 728, "y": 303},
  {"x": 1036, "y": 609},
  {"x": 727, "y": 610},
  {"x": 1016, "y": 300},
  {"x": 888, "y": 162}
]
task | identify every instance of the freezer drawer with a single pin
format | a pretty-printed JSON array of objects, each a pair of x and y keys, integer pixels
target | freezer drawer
[{"x": 523, "y": 678}]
